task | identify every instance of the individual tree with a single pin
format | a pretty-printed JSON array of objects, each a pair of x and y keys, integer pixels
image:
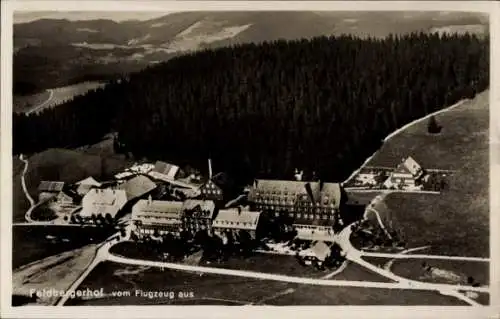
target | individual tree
[{"x": 433, "y": 127}]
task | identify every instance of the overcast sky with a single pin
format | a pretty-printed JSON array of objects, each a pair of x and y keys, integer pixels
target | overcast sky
[{"x": 20, "y": 17}]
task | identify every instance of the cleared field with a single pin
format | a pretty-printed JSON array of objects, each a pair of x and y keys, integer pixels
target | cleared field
[
  {"x": 412, "y": 268},
  {"x": 355, "y": 272},
  {"x": 114, "y": 277},
  {"x": 265, "y": 263},
  {"x": 56, "y": 272},
  {"x": 456, "y": 222},
  {"x": 275, "y": 264},
  {"x": 482, "y": 298},
  {"x": 27, "y": 102},
  {"x": 63, "y": 94},
  {"x": 30, "y": 243},
  {"x": 216, "y": 290},
  {"x": 317, "y": 295}
]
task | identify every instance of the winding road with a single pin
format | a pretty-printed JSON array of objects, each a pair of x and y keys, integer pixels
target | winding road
[
  {"x": 42, "y": 105},
  {"x": 23, "y": 181}
]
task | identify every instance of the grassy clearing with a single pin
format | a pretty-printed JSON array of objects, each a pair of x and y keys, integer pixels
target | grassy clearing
[
  {"x": 113, "y": 277},
  {"x": 66, "y": 93},
  {"x": 275, "y": 264},
  {"x": 30, "y": 243},
  {"x": 317, "y": 295},
  {"x": 412, "y": 268},
  {"x": 265, "y": 263},
  {"x": 216, "y": 290},
  {"x": 482, "y": 298},
  {"x": 455, "y": 222},
  {"x": 356, "y": 272},
  {"x": 24, "y": 103},
  {"x": 56, "y": 272}
]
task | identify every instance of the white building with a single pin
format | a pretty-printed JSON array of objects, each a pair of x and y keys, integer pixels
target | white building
[
  {"x": 102, "y": 204},
  {"x": 406, "y": 174}
]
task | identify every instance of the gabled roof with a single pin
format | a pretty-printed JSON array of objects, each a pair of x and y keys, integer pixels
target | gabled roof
[
  {"x": 137, "y": 186},
  {"x": 233, "y": 218},
  {"x": 157, "y": 208},
  {"x": 83, "y": 189},
  {"x": 321, "y": 250},
  {"x": 64, "y": 195},
  {"x": 293, "y": 191},
  {"x": 169, "y": 170},
  {"x": 210, "y": 184},
  {"x": 199, "y": 205},
  {"x": 90, "y": 181},
  {"x": 50, "y": 186},
  {"x": 409, "y": 165}
]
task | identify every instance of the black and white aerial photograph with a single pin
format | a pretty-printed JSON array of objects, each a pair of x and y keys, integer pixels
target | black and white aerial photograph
[{"x": 250, "y": 158}]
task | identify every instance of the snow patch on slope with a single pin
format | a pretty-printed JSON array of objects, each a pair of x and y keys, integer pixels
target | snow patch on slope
[
  {"x": 203, "y": 32},
  {"x": 460, "y": 29},
  {"x": 87, "y": 30}
]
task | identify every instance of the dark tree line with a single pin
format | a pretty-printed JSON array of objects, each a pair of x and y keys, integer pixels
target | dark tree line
[{"x": 321, "y": 105}]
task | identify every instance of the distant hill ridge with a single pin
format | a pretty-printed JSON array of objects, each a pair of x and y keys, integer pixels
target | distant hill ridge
[
  {"x": 107, "y": 49},
  {"x": 265, "y": 109}
]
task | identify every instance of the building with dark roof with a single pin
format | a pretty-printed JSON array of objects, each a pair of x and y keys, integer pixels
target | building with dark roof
[
  {"x": 198, "y": 215},
  {"x": 313, "y": 207},
  {"x": 137, "y": 187},
  {"x": 305, "y": 201},
  {"x": 211, "y": 191},
  {"x": 165, "y": 171},
  {"x": 49, "y": 189}
]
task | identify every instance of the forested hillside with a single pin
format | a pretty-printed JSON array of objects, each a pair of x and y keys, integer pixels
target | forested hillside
[{"x": 321, "y": 105}]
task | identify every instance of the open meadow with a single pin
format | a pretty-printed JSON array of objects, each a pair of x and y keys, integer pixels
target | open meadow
[
  {"x": 455, "y": 222},
  {"x": 52, "y": 97},
  {"x": 216, "y": 290},
  {"x": 264, "y": 263},
  {"x": 32, "y": 243}
]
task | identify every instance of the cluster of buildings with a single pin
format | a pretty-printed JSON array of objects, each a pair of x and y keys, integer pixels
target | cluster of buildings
[
  {"x": 409, "y": 174},
  {"x": 310, "y": 208}
]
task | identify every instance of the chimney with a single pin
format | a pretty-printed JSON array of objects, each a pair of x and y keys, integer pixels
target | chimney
[
  {"x": 150, "y": 200},
  {"x": 309, "y": 191},
  {"x": 209, "y": 168},
  {"x": 320, "y": 189}
]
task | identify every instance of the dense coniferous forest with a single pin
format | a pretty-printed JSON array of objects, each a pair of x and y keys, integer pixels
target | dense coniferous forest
[{"x": 320, "y": 105}]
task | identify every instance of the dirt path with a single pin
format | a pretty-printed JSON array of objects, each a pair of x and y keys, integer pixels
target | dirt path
[
  {"x": 43, "y": 104},
  {"x": 23, "y": 181}
]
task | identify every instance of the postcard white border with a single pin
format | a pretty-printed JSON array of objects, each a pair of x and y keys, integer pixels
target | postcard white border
[{"x": 9, "y": 6}]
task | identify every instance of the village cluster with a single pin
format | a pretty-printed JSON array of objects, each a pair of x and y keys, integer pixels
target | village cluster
[
  {"x": 409, "y": 175},
  {"x": 156, "y": 200}
]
